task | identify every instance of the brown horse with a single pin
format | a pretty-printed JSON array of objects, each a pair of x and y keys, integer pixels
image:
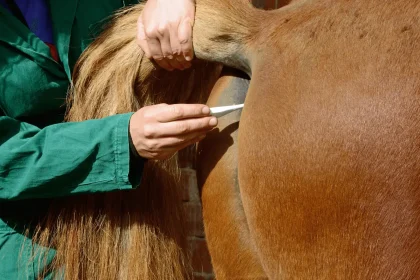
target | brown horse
[
  {"x": 321, "y": 177},
  {"x": 319, "y": 180}
]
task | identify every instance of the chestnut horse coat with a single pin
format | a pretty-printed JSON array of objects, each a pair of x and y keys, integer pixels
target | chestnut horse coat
[{"x": 319, "y": 177}]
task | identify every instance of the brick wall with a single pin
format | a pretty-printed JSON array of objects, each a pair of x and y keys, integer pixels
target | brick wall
[
  {"x": 269, "y": 4},
  {"x": 197, "y": 243},
  {"x": 200, "y": 256},
  {"x": 265, "y": 4}
]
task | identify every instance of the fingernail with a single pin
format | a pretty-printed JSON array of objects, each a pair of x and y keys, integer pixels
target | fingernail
[
  {"x": 213, "y": 121},
  {"x": 205, "y": 110},
  {"x": 170, "y": 56},
  {"x": 188, "y": 58}
]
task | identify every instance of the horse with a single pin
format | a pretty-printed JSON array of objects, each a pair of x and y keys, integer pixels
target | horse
[{"x": 316, "y": 178}]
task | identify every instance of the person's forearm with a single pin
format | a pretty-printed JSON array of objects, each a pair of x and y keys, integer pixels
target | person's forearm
[{"x": 65, "y": 159}]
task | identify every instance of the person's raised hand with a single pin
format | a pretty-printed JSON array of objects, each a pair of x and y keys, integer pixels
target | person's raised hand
[{"x": 164, "y": 32}]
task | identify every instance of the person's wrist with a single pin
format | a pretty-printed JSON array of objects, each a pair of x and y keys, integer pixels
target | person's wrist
[{"x": 134, "y": 154}]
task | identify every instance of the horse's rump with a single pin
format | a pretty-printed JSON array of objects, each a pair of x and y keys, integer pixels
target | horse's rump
[{"x": 329, "y": 150}]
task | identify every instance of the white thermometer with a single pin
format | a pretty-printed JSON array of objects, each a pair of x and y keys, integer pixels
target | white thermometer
[{"x": 223, "y": 110}]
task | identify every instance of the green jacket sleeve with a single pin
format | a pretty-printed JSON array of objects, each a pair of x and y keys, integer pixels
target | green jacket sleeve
[{"x": 66, "y": 158}]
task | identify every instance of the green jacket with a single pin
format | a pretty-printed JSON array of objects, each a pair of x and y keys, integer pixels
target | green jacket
[{"x": 40, "y": 156}]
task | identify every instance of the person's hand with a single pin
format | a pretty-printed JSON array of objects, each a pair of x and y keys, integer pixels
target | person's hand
[
  {"x": 164, "y": 32},
  {"x": 159, "y": 131}
]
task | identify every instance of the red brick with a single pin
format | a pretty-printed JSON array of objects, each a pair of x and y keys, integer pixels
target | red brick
[
  {"x": 186, "y": 157},
  {"x": 185, "y": 183},
  {"x": 269, "y": 4},
  {"x": 194, "y": 219},
  {"x": 204, "y": 276},
  {"x": 189, "y": 183},
  {"x": 201, "y": 261}
]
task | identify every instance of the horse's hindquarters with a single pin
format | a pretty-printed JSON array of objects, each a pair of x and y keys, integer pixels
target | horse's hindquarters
[
  {"x": 329, "y": 162},
  {"x": 332, "y": 191}
]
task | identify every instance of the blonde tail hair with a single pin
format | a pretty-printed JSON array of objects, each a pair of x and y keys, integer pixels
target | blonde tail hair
[{"x": 135, "y": 234}]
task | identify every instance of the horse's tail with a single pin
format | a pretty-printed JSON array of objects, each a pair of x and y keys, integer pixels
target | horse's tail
[
  {"x": 225, "y": 30},
  {"x": 135, "y": 234}
]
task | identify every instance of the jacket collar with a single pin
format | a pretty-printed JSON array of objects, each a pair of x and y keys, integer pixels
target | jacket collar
[
  {"x": 63, "y": 15},
  {"x": 17, "y": 35}
]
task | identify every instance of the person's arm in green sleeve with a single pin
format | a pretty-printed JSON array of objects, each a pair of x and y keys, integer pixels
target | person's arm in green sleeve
[
  {"x": 94, "y": 155},
  {"x": 67, "y": 158}
]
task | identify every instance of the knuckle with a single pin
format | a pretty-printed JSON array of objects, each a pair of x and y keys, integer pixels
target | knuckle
[
  {"x": 151, "y": 32},
  {"x": 184, "y": 41},
  {"x": 162, "y": 29},
  {"x": 148, "y": 131},
  {"x": 147, "y": 113},
  {"x": 153, "y": 145},
  {"x": 182, "y": 128},
  {"x": 176, "y": 111}
]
